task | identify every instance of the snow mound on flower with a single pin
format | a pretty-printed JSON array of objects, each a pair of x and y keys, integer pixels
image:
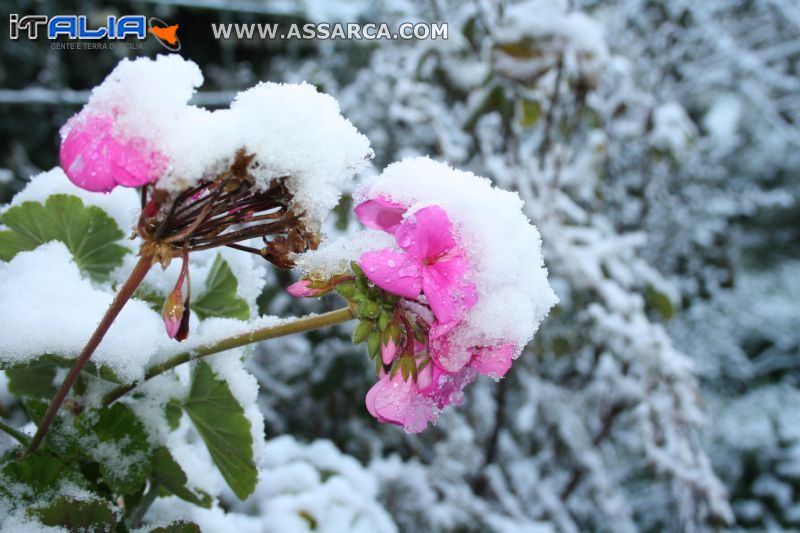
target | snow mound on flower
[
  {"x": 292, "y": 129},
  {"x": 503, "y": 247},
  {"x": 334, "y": 257}
]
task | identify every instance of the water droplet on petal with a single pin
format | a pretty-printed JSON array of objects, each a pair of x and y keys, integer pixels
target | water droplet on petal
[{"x": 391, "y": 263}]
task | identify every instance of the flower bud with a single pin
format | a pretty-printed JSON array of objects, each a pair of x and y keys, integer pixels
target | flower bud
[
  {"x": 388, "y": 352},
  {"x": 173, "y": 312},
  {"x": 306, "y": 288}
]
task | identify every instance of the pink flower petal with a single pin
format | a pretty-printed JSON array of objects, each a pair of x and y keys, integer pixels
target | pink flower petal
[
  {"x": 492, "y": 361},
  {"x": 397, "y": 401},
  {"x": 448, "y": 294},
  {"x": 79, "y": 154},
  {"x": 438, "y": 328},
  {"x": 394, "y": 272},
  {"x": 426, "y": 234},
  {"x": 95, "y": 160},
  {"x": 446, "y": 388},
  {"x": 380, "y": 214},
  {"x": 370, "y": 400},
  {"x": 446, "y": 355}
]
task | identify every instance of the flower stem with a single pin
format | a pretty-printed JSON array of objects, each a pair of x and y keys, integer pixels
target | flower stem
[
  {"x": 299, "y": 325},
  {"x": 122, "y": 297}
]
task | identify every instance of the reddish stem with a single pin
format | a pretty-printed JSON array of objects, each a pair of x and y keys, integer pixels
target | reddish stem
[{"x": 122, "y": 297}]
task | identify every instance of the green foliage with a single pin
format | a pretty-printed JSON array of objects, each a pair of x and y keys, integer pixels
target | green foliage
[
  {"x": 221, "y": 422},
  {"x": 106, "y": 451},
  {"x": 77, "y": 515},
  {"x": 39, "y": 471},
  {"x": 116, "y": 427},
  {"x": 220, "y": 298},
  {"x": 89, "y": 233}
]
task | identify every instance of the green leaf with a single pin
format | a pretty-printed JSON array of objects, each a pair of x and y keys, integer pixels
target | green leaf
[
  {"x": 173, "y": 413},
  {"x": 126, "y": 470},
  {"x": 309, "y": 518},
  {"x": 89, "y": 233},
  {"x": 178, "y": 527},
  {"x": 58, "y": 361},
  {"x": 40, "y": 470},
  {"x": 34, "y": 380},
  {"x": 220, "y": 298},
  {"x": 659, "y": 301},
  {"x": 77, "y": 515},
  {"x": 530, "y": 110},
  {"x": 172, "y": 477},
  {"x": 220, "y": 420}
]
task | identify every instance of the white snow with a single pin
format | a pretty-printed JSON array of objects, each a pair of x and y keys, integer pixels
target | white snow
[
  {"x": 48, "y": 307},
  {"x": 672, "y": 127},
  {"x": 300, "y": 485},
  {"x": 292, "y": 129},
  {"x": 334, "y": 256},
  {"x": 722, "y": 118}
]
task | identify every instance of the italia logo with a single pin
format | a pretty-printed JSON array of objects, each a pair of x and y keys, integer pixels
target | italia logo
[{"x": 77, "y": 27}]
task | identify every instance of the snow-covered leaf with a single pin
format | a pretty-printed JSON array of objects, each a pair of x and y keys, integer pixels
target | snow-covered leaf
[
  {"x": 77, "y": 515},
  {"x": 172, "y": 477},
  {"x": 179, "y": 526},
  {"x": 122, "y": 446},
  {"x": 220, "y": 298},
  {"x": 89, "y": 232},
  {"x": 39, "y": 470},
  {"x": 34, "y": 380},
  {"x": 222, "y": 424}
]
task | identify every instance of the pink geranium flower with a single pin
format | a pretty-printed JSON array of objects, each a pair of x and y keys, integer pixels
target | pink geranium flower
[
  {"x": 430, "y": 263},
  {"x": 96, "y": 159}
]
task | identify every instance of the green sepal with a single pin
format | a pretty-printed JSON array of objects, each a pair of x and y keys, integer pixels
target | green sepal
[
  {"x": 368, "y": 309},
  {"x": 384, "y": 319},
  {"x": 374, "y": 343},
  {"x": 347, "y": 289},
  {"x": 362, "y": 331}
]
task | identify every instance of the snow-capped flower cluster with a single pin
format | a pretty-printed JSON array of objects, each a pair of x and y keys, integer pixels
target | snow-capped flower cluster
[
  {"x": 460, "y": 290},
  {"x": 139, "y": 128}
]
